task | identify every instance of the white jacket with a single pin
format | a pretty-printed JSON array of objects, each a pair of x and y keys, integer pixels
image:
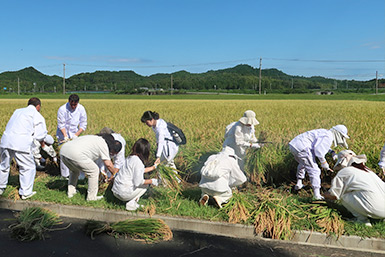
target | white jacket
[
  {"x": 24, "y": 125},
  {"x": 71, "y": 120},
  {"x": 221, "y": 172},
  {"x": 318, "y": 141},
  {"x": 164, "y": 140},
  {"x": 239, "y": 137},
  {"x": 130, "y": 177}
]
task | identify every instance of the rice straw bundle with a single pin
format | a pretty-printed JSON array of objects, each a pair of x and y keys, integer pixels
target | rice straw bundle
[
  {"x": 237, "y": 208},
  {"x": 170, "y": 177},
  {"x": 149, "y": 230},
  {"x": 254, "y": 168},
  {"x": 33, "y": 223}
]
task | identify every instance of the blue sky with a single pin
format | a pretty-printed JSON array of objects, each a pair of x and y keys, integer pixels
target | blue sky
[{"x": 342, "y": 39}]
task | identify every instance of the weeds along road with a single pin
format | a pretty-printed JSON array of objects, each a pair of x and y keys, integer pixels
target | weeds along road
[{"x": 73, "y": 242}]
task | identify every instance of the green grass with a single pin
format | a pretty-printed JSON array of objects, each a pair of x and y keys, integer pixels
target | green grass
[{"x": 303, "y": 212}]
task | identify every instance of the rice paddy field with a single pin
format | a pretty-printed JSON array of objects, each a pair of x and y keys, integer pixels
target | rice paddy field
[{"x": 266, "y": 199}]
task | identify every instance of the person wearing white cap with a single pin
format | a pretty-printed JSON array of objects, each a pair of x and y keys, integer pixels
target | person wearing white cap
[
  {"x": 240, "y": 136},
  {"x": 25, "y": 125},
  {"x": 313, "y": 144},
  {"x": 47, "y": 148},
  {"x": 71, "y": 122},
  {"x": 358, "y": 188},
  {"x": 219, "y": 175}
]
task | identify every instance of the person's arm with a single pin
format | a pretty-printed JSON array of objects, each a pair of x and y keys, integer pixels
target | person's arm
[
  {"x": 329, "y": 196},
  {"x": 61, "y": 122},
  {"x": 110, "y": 166},
  {"x": 82, "y": 121}
]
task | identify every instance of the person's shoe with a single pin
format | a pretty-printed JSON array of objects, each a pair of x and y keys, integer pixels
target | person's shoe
[
  {"x": 204, "y": 199},
  {"x": 364, "y": 221},
  {"x": 217, "y": 202},
  {"x": 132, "y": 205},
  {"x": 25, "y": 197},
  {"x": 298, "y": 187},
  {"x": 100, "y": 197},
  {"x": 318, "y": 197},
  {"x": 2, "y": 191}
]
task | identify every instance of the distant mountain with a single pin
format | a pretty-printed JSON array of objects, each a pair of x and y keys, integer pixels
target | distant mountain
[{"x": 241, "y": 77}]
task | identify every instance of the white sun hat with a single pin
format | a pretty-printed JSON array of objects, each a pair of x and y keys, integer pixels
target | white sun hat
[
  {"x": 249, "y": 118},
  {"x": 342, "y": 129},
  {"x": 49, "y": 140},
  {"x": 347, "y": 158}
]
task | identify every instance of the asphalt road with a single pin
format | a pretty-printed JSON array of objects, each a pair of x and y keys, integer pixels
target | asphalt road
[{"x": 73, "y": 242}]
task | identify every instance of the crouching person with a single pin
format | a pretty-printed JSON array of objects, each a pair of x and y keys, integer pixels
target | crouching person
[
  {"x": 359, "y": 189},
  {"x": 220, "y": 173},
  {"x": 129, "y": 183},
  {"x": 80, "y": 155}
]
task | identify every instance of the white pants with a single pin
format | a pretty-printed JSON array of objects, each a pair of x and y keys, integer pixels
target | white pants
[
  {"x": 27, "y": 169},
  {"x": 307, "y": 164},
  {"x": 364, "y": 204},
  {"x": 135, "y": 195},
  {"x": 91, "y": 170},
  {"x": 222, "y": 197}
]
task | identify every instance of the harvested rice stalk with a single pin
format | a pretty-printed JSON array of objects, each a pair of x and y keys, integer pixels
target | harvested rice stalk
[
  {"x": 328, "y": 220},
  {"x": 237, "y": 208},
  {"x": 254, "y": 168},
  {"x": 33, "y": 223},
  {"x": 150, "y": 208},
  {"x": 14, "y": 194},
  {"x": 149, "y": 230},
  {"x": 170, "y": 177}
]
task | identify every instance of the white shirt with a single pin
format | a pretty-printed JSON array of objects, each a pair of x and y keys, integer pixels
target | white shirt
[
  {"x": 119, "y": 158},
  {"x": 239, "y": 137},
  {"x": 47, "y": 148},
  {"x": 71, "y": 120},
  {"x": 318, "y": 140},
  {"x": 85, "y": 148},
  {"x": 24, "y": 125},
  {"x": 162, "y": 134},
  {"x": 130, "y": 177},
  {"x": 221, "y": 172}
]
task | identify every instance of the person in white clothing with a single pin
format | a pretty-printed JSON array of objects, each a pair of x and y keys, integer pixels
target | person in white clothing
[
  {"x": 118, "y": 159},
  {"x": 47, "y": 148},
  {"x": 81, "y": 155},
  {"x": 358, "y": 188},
  {"x": 25, "y": 125},
  {"x": 240, "y": 136},
  {"x": 167, "y": 149},
  {"x": 313, "y": 144},
  {"x": 381, "y": 164},
  {"x": 219, "y": 175},
  {"x": 129, "y": 184},
  {"x": 71, "y": 122}
]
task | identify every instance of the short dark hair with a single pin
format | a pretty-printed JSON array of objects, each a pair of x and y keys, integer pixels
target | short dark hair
[
  {"x": 114, "y": 146},
  {"x": 73, "y": 98},
  {"x": 34, "y": 101},
  {"x": 149, "y": 115},
  {"x": 141, "y": 148}
]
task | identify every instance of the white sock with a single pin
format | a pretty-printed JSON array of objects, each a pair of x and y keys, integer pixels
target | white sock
[{"x": 299, "y": 185}]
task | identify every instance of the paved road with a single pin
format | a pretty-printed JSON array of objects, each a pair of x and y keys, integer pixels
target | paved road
[{"x": 73, "y": 242}]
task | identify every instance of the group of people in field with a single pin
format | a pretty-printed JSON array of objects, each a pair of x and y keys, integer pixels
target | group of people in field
[{"x": 359, "y": 189}]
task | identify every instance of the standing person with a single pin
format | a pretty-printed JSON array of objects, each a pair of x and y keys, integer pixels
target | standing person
[
  {"x": 47, "y": 148},
  {"x": 316, "y": 143},
  {"x": 219, "y": 174},
  {"x": 25, "y": 125},
  {"x": 240, "y": 135},
  {"x": 381, "y": 164},
  {"x": 167, "y": 149},
  {"x": 119, "y": 158},
  {"x": 358, "y": 188},
  {"x": 129, "y": 183},
  {"x": 81, "y": 155},
  {"x": 71, "y": 122}
]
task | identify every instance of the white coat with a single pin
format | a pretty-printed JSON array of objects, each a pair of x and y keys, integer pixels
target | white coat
[
  {"x": 220, "y": 173},
  {"x": 167, "y": 149},
  {"x": 36, "y": 151},
  {"x": 71, "y": 120},
  {"x": 119, "y": 158},
  {"x": 361, "y": 192},
  {"x": 24, "y": 125}
]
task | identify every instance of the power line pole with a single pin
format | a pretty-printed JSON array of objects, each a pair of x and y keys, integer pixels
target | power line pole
[
  {"x": 172, "y": 82},
  {"x": 64, "y": 79},
  {"x": 376, "y": 82},
  {"x": 18, "y": 86},
  {"x": 260, "y": 72}
]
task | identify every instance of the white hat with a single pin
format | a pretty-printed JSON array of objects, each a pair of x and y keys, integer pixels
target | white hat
[
  {"x": 249, "y": 118},
  {"x": 49, "y": 140},
  {"x": 347, "y": 158},
  {"x": 342, "y": 129}
]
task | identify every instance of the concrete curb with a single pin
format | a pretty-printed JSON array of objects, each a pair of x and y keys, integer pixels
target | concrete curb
[{"x": 201, "y": 226}]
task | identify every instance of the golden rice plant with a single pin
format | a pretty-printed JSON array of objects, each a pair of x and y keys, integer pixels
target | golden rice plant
[
  {"x": 237, "y": 208},
  {"x": 34, "y": 223},
  {"x": 170, "y": 177},
  {"x": 149, "y": 230}
]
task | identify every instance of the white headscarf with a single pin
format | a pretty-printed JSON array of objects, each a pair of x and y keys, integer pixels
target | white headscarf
[
  {"x": 340, "y": 133},
  {"x": 347, "y": 157}
]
